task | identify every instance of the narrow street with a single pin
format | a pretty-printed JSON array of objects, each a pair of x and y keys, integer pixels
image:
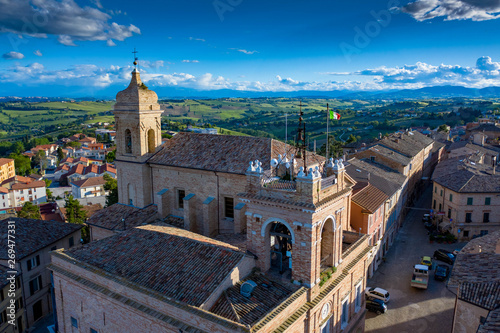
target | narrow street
[{"x": 411, "y": 309}]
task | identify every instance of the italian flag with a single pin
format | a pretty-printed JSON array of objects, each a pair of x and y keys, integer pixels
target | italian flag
[{"x": 334, "y": 115}]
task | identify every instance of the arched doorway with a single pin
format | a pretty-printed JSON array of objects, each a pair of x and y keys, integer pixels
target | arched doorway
[
  {"x": 128, "y": 141},
  {"x": 151, "y": 141},
  {"x": 328, "y": 243},
  {"x": 280, "y": 246}
]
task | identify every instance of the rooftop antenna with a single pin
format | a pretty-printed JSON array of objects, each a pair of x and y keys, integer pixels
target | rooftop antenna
[
  {"x": 136, "y": 59},
  {"x": 301, "y": 138}
]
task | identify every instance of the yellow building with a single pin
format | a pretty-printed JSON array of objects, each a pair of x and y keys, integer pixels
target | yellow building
[{"x": 7, "y": 169}]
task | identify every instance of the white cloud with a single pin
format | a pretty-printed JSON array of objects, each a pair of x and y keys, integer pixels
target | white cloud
[
  {"x": 64, "y": 19},
  {"x": 38, "y": 53},
  {"x": 197, "y": 39},
  {"x": 485, "y": 73},
  {"x": 13, "y": 55},
  {"x": 110, "y": 42},
  {"x": 244, "y": 51},
  {"x": 476, "y": 10},
  {"x": 188, "y": 61}
]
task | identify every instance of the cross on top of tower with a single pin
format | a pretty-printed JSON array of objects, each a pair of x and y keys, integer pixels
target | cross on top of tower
[{"x": 135, "y": 57}]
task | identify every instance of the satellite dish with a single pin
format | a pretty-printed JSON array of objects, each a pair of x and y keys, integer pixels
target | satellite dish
[{"x": 274, "y": 163}]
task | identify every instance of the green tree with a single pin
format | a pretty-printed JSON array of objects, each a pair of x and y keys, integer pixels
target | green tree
[
  {"x": 110, "y": 157},
  {"x": 335, "y": 149},
  {"x": 351, "y": 138},
  {"x": 76, "y": 214},
  {"x": 443, "y": 128},
  {"x": 111, "y": 187},
  {"x": 18, "y": 147},
  {"x": 22, "y": 163},
  {"x": 29, "y": 211},
  {"x": 49, "y": 194},
  {"x": 60, "y": 154}
]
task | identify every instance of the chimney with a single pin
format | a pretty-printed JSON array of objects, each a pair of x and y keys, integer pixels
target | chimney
[{"x": 368, "y": 176}]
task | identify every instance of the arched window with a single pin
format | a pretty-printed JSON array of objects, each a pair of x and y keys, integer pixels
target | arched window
[
  {"x": 280, "y": 242},
  {"x": 128, "y": 141},
  {"x": 151, "y": 141},
  {"x": 131, "y": 194},
  {"x": 328, "y": 244}
]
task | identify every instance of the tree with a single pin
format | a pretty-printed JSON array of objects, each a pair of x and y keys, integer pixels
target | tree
[
  {"x": 47, "y": 182},
  {"x": 76, "y": 214},
  {"x": 60, "y": 154},
  {"x": 111, "y": 187},
  {"x": 443, "y": 128},
  {"x": 18, "y": 147},
  {"x": 335, "y": 149},
  {"x": 29, "y": 211},
  {"x": 351, "y": 138},
  {"x": 110, "y": 157},
  {"x": 22, "y": 163}
]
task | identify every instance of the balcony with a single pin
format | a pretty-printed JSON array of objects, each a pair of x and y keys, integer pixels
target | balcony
[{"x": 277, "y": 183}]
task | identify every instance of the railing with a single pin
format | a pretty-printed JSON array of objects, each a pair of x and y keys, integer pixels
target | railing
[
  {"x": 329, "y": 181},
  {"x": 279, "y": 184}
]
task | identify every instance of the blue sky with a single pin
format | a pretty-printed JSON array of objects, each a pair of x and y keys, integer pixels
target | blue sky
[{"x": 248, "y": 45}]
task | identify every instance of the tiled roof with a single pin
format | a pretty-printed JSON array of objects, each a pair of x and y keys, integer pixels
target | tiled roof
[
  {"x": 492, "y": 324},
  {"x": 17, "y": 179},
  {"x": 391, "y": 154},
  {"x": 222, "y": 153},
  {"x": 407, "y": 143},
  {"x": 67, "y": 160},
  {"x": 81, "y": 159},
  {"x": 4, "y": 276},
  {"x": 485, "y": 295},
  {"x": 465, "y": 177},
  {"x": 63, "y": 167},
  {"x": 489, "y": 127},
  {"x": 369, "y": 198},
  {"x": 478, "y": 267},
  {"x": 107, "y": 167},
  {"x": 249, "y": 310},
  {"x": 35, "y": 176},
  {"x": 34, "y": 184},
  {"x": 385, "y": 179},
  {"x": 89, "y": 209},
  {"x": 33, "y": 235},
  {"x": 92, "y": 181},
  {"x": 177, "y": 263},
  {"x": 111, "y": 217},
  {"x": 4, "y": 190},
  {"x": 5, "y": 161},
  {"x": 87, "y": 139}
]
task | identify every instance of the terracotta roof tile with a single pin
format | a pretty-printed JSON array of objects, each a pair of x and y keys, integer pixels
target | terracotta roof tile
[
  {"x": 111, "y": 217},
  {"x": 223, "y": 153},
  {"x": 34, "y": 184},
  {"x": 485, "y": 295},
  {"x": 369, "y": 197},
  {"x": 4, "y": 161},
  {"x": 93, "y": 181},
  {"x": 154, "y": 256},
  {"x": 33, "y": 235},
  {"x": 492, "y": 324}
]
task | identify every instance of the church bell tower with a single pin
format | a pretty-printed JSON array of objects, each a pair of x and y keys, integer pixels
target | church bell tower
[{"x": 138, "y": 135}]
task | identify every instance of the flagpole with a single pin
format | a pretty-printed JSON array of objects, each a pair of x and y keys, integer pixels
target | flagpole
[{"x": 327, "y": 122}]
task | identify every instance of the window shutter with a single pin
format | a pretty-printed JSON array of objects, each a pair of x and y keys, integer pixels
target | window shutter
[
  {"x": 29, "y": 265},
  {"x": 32, "y": 287},
  {"x": 38, "y": 260}
]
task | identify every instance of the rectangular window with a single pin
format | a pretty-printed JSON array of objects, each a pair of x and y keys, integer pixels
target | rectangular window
[
  {"x": 345, "y": 312},
  {"x": 441, "y": 193},
  {"x": 180, "y": 198},
  {"x": 372, "y": 158},
  {"x": 229, "y": 207},
  {"x": 468, "y": 217},
  {"x": 434, "y": 205},
  {"x": 357, "y": 303},
  {"x": 74, "y": 322},
  {"x": 33, "y": 262},
  {"x": 35, "y": 284},
  {"x": 484, "y": 232},
  {"x": 469, "y": 201},
  {"x": 2, "y": 297},
  {"x": 451, "y": 197},
  {"x": 435, "y": 189},
  {"x": 93, "y": 330},
  {"x": 449, "y": 213},
  {"x": 466, "y": 233},
  {"x": 71, "y": 241},
  {"x": 440, "y": 207},
  {"x": 486, "y": 217},
  {"x": 487, "y": 201}
]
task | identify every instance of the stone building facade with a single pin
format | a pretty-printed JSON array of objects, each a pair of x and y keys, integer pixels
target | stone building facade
[{"x": 232, "y": 212}]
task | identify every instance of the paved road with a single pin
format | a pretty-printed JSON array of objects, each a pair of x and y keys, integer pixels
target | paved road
[{"x": 410, "y": 309}]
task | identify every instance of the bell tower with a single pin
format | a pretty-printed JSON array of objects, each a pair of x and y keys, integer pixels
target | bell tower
[{"x": 138, "y": 135}]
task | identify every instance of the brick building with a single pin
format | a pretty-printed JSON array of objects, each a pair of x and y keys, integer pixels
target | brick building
[
  {"x": 12, "y": 315},
  {"x": 281, "y": 223},
  {"x": 466, "y": 196}
]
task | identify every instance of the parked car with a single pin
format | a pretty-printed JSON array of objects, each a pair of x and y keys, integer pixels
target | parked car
[
  {"x": 427, "y": 261},
  {"x": 376, "y": 305},
  {"x": 441, "y": 272},
  {"x": 378, "y": 293},
  {"x": 426, "y": 218},
  {"x": 444, "y": 256}
]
